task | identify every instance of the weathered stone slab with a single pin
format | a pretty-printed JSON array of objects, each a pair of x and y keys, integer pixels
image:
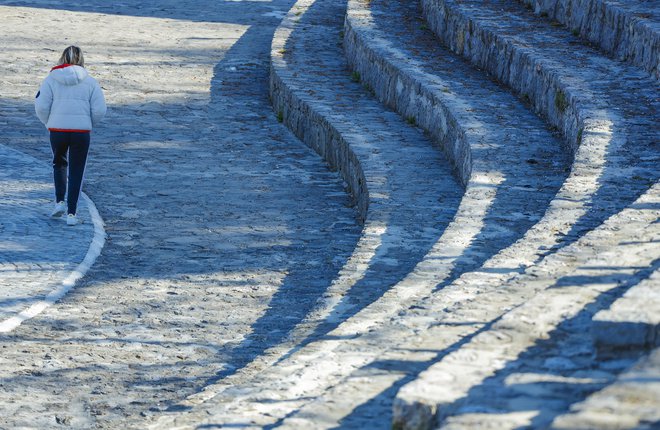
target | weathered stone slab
[
  {"x": 628, "y": 30},
  {"x": 543, "y": 336},
  {"x": 631, "y": 401},
  {"x": 633, "y": 321}
]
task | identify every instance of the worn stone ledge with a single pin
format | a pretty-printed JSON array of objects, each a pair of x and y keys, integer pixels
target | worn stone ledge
[
  {"x": 406, "y": 93},
  {"x": 309, "y": 125},
  {"x": 313, "y": 129},
  {"x": 614, "y": 27},
  {"x": 633, "y": 321},
  {"x": 569, "y": 89},
  {"x": 518, "y": 67},
  {"x": 631, "y": 401},
  {"x": 450, "y": 384}
]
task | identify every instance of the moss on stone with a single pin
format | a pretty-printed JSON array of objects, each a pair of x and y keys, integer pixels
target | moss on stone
[{"x": 561, "y": 102}]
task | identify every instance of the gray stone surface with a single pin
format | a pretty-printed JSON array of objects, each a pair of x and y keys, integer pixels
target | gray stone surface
[
  {"x": 219, "y": 220},
  {"x": 629, "y": 30},
  {"x": 630, "y": 402},
  {"x": 242, "y": 286},
  {"x": 37, "y": 253},
  {"x": 532, "y": 363},
  {"x": 633, "y": 320}
]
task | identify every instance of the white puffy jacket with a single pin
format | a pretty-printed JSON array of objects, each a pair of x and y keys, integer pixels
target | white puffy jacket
[{"x": 70, "y": 100}]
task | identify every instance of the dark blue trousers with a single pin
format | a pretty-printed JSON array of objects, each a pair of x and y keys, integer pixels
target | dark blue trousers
[{"x": 76, "y": 145}]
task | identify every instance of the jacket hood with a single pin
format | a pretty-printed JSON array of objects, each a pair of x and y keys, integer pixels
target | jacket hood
[{"x": 68, "y": 74}]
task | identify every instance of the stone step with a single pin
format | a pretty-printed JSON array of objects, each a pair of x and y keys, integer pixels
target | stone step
[
  {"x": 409, "y": 72},
  {"x": 412, "y": 198},
  {"x": 633, "y": 321},
  {"x": 399, "y": 59},
  {"x": 322, "y": 381},
  {"x": 613, "y": 106},
  {"x": 629, "y": 402},
  {"x": 385, "y": 59},
  {"x": 627, "y": 30},
  {"x": 406, "y": 194},
  {"x": 589, "y": 98},
  {"x": 538, "y": 357},
  {"x": 484, "y": 130}
]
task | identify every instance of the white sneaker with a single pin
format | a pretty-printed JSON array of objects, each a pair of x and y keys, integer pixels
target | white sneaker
[
  {"x": 71, "y": 219},
  {"x": 60, "y": 208}
]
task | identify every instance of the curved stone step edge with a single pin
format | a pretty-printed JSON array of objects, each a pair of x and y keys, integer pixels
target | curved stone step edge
[
  {"x": 412, "y": 339},
  {"x": 633, "y": 321},
  {"x": 57, "y": 286},
  {"x": 362, "y": 46},
  {"x": 373, "y": 62},
  {"x": 314, "y": 130},
  {"x": 543, "y": 87},
  {"x": 430, "y": 113},
  {"x": 347, "y": 151},
  {"x": 446, "y": 120},
  {"x": 613, "y": 29},
  {"x": 426, "y": 401},
  {"x": 629, "y": 402}
]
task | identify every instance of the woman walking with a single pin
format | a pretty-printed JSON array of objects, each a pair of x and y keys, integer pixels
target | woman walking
[{"x": 69, "y": 103}]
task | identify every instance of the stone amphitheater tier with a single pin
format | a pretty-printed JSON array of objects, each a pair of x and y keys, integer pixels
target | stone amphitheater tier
[
  {"x": 313, "y": 93},
  {"x": 430, "y": 299},
  {"x": 512, "y": 366},
  {"x": 438, "y": 267},
  {"x": 628, "y": 30},
  {"x": 619, "y": 154}
]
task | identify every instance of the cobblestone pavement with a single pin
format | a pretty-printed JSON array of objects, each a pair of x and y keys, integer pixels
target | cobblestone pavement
[
  {"x": 348, "y": 378},
  {"x": 237, "y": 287},
  {"x": 219, "y": 221},
  {"x": 38, "y": 253}
]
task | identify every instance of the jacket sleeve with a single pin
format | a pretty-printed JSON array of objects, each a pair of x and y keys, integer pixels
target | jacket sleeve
[
  {"x": 97, "y": 103},
  {"x": 43, "y": 102}
]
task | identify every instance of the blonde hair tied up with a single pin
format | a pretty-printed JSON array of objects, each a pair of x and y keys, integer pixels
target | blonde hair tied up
[{"x": 72, "y": 55}]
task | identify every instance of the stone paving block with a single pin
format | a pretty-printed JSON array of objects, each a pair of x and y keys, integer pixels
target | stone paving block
[
  {"x": 545, "y": 334},
  {"x": 631, "y": 401},
  {"x": 628, "y": 30},
  {"x": 633, "y": 321}
]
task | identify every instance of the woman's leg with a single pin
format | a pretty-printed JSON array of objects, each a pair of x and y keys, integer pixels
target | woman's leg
[
  {"x": 59, "y": 142},
  {"x": 77, "y": 159}
]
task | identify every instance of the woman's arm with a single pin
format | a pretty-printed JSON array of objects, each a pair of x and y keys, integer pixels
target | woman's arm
[
  {"x": 43, "y": 102},
  {"x": 97, "y": 103}
]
